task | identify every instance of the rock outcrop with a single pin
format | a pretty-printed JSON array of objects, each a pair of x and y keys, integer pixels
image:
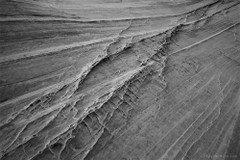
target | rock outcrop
[{"x": 119, "y": 80}]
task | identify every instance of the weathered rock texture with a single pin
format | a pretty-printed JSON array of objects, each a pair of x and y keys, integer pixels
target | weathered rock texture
[{"x": 119, "y": 79}]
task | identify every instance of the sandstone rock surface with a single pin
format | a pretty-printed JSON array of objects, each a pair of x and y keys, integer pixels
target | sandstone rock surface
[{"x": 119, "y": 80}]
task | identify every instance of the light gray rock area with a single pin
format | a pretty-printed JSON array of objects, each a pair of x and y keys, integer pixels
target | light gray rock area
[{"x": 119, "y": 79}]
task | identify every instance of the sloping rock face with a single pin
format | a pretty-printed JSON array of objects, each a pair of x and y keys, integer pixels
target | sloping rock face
[{"x": 119, "y": 80}]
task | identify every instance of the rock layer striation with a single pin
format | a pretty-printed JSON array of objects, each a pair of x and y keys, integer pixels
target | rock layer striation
[{"x": 119, "y": 80}]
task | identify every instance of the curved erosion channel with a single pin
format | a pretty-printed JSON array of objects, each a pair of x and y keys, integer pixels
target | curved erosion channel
[{"x": 120, "y": 80}]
